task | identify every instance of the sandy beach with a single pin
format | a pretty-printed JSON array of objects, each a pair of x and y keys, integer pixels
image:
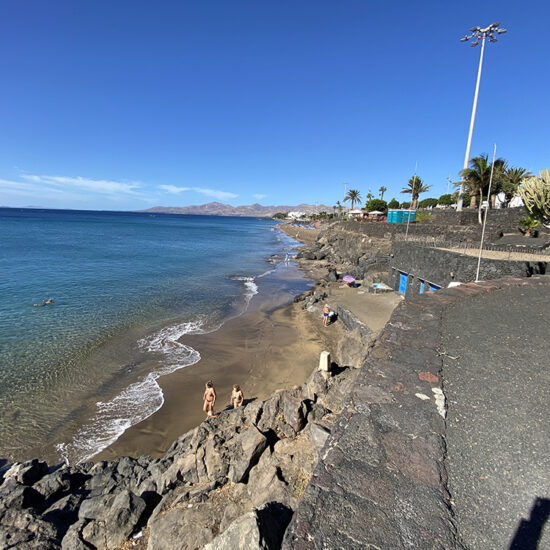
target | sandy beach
[{"x": 274, "y": 345}]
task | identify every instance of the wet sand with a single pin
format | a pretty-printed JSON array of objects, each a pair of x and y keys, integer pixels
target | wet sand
[{"x": 268, "y": 348}]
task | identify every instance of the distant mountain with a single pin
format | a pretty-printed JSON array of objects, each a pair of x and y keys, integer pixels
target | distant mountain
[{"x": 253, "y": 210}]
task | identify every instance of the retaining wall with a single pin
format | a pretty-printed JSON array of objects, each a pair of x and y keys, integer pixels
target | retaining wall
[{"x": 441, "y": 267}]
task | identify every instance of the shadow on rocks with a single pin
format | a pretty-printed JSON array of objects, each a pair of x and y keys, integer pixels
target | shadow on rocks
[{"x": 273, "y": 519}]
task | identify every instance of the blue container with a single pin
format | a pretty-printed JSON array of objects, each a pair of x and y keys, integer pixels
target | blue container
[
  {"x": 392, "y": 216},
  {"x": 409, "y": 215}
]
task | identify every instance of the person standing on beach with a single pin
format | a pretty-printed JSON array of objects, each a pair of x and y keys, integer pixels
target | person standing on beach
[
  {"x": 326, "y": 312},
  {"x": 209, "y": 400},
  {"x": 237, "y": 396}
]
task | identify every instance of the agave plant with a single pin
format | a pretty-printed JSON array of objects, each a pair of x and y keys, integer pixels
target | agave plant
[
  {"x": 535, "y": 193},
  {"x": 527, "y": 225}
]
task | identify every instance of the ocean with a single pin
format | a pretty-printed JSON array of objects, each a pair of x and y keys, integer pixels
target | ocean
[{"x": 126, "y": 289}]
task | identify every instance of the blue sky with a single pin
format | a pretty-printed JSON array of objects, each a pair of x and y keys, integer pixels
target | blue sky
[{"x": 124, "y": 105}]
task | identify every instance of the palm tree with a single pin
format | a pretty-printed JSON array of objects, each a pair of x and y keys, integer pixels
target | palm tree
[
  {"x": 353, "y": 196},
  {"x": 415, "y": 187},
  {"x": 510, "y": 182},
  {"x": 339, "y": 207},
  {"x": 382, "y": 190},
  {"x": 369, "y": 196},
  {"x": 477, "y": 178}
]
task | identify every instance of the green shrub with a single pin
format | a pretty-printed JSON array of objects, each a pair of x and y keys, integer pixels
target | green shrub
[
  {"x": 376, "y": 204},
  {"x": 527, "y": 225},
  {"x": 423, "y": 217},
  {"x": 393, "y": 204},
  {"x": 446, "y": 200},
  {"x": 426, "y": 203}
]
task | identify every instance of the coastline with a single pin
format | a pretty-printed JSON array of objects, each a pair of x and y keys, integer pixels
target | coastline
[{"x": 274, "y": 345}]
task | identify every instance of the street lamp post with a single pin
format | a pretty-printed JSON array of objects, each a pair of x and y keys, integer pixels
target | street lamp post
[{"x": 478, "y": 34}]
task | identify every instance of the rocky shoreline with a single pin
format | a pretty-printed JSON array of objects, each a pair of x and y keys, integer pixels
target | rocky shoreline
[
  {"x": 235, "y": 477},
  {"x": 232, "y": 482}
]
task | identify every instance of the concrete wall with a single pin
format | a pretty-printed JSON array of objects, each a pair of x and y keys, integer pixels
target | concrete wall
[
  {"x": 382, "y": 230},
  {"x": 441, "y": 267}
]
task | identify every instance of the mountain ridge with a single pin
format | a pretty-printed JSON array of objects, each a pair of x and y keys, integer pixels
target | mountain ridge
[{"x": 252, "y": 210}]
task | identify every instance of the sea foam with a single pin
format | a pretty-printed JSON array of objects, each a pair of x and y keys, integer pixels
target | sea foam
[
  {"x": 143, "y": 398},
  {"x": 139, "y": 400}
]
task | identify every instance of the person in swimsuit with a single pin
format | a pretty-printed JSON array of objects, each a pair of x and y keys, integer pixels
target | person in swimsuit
[
  {"x": 209, "y": 400},
  {"x": 326, "y": 312},
  {"x": 237, "y": 396}
]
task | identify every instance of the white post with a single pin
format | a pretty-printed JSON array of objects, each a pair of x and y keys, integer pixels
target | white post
[
  {"x": 486, "y": 212},
  {"x": 470, "y": 133},
  {"x": 324, "y": 361}
]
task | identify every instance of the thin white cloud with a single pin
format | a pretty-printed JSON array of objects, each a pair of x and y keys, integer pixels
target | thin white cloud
[
  {"x": 259, "y": 196},
  {"x": 214, "y": 193},
  {"x": 173, "y": 189},
  {"x": 22, "y": 188},
  {"x": 105, "y": 187}
]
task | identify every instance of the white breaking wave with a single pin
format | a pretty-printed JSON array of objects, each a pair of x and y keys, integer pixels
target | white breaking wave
[
  {"x": 251, "y": 288},
  {"x": 143, "y": 398},
  {"x": 139, "y": 400}
]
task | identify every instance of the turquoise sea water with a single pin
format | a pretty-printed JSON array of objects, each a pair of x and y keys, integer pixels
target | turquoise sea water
[{"x": 125, "y": 287}]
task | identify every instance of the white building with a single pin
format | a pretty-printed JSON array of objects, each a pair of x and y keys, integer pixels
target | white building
[{"x": 296, "y": 215}]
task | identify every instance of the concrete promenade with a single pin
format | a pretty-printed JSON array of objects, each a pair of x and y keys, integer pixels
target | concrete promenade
[{"x": 444, "y": 442}]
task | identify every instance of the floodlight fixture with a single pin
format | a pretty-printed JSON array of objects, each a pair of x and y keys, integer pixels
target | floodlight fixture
[{"x": 477, "y": 34}]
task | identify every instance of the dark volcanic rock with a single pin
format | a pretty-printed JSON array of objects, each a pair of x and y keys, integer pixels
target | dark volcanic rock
[
  {"x": 261, "y": 529},
  {"x": 247, "y": 449},
  {"x": 114, "y": 517}
]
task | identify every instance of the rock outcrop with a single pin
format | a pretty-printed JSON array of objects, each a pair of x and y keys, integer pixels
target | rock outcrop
[{"x": 232, "y": 482}]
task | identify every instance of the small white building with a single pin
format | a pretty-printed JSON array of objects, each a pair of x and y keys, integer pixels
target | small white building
[
  {"x": 296, "y": 215},
  {"x": 355, "y": 212}
]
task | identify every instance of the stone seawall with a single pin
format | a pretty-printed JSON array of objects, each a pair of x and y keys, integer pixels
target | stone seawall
[
  {"x": 441, "y": 267},
  {"x": 382, "y": 480}
]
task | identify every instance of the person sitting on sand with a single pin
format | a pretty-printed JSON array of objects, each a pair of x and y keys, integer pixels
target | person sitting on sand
[
  {"x": 237, "y": 396},
  {"x": 209, "y": 400},
  {"x": 326, "y": 312}
]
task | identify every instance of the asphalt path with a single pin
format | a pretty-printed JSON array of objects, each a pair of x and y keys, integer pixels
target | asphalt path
[{"x": 496, "y": 380}]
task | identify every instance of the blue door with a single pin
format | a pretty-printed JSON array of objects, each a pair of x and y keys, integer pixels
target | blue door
[
  {"x": 421, "y": 286},
  {"x": 402, "y": 282},
  {"x": 432, "y": 287}
]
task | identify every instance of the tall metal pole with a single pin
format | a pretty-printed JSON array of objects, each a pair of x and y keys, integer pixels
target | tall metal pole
[
  {"x": 486, "y": 212},
  {"x": 478, "y": 33},
  {"x": 471, "y": 132}
]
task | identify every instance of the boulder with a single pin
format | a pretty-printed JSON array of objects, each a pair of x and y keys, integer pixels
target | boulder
[
  {"x": 261, "y": 529},
  {"x": 24, "y": 529},
  {"x": 65, "y": 510},
  {"x": 314, "y": 386},
  {"x": 245, "y": 452},
  {"x": 13, "y": 495},
  {"x": 114, "y": 516},
  {"x": 216, "y": 466},
  {"x": 28, "y": 472},
  {"x": 184, "y": 469},
  {"x": 264, "y": 485},
  {"x": 73, "y": 540},
  {"x": 270, "y": 410},
  {"x": 293, "y": 411},
  {"x": 318, "y": 436},
  {"x": 55, "y": 483}
]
